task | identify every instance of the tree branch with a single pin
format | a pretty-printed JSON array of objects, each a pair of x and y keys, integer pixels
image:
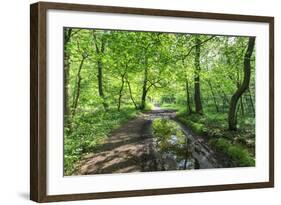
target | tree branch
[{"x": 192, "y": 47}]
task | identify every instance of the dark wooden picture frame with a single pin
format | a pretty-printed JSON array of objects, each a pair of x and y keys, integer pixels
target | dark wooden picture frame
[{"x": 38, "y": 101}]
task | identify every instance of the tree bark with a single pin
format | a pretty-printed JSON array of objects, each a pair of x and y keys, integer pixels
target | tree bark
[
  {"x": 78, "y": 85},
  {"x": 67, "y": 35},
  {"x": 251, "y": 100},
  {"x": 232, "y": 122},
  {"x": 197, "y": 94},
  {"x": 213, "y": 95},
  {"x": 131, "y": 94},
  {"x": 121, "y": 91},
  {"x": 225, "y": 101},
  {"x": 242, "y": 106},
  {"x": 144, "y": 87},
  {"x": 188, "y": 97},
  {"x": 100, "y": 51},
  {"x": 100, "y": 84}
]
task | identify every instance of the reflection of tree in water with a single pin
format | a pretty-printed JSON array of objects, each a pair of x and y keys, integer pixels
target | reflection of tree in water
[
  {"x": 172, "y": 146},
  {"x": 112, "y": 76}
]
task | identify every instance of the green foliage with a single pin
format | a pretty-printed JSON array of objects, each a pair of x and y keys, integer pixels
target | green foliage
[
  {"x": 195, "y": 125},
  {"x": 239, "y": 155},
  {"x": 178, "y": 107},
  {"x": 221, "y": 144},
  {"x": 148, "y": 106},
  {"x": 106, "y": 70},
  {"x": 211, "y": 126}
]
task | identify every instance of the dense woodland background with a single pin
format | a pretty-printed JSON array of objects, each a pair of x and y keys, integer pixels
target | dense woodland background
[{"x": 111, "y": 77}]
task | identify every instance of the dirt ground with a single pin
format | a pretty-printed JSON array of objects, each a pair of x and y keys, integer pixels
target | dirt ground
[{"x": 128, "y": 149}]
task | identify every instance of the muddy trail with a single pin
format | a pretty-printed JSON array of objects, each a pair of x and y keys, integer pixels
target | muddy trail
[{"x": 132, "y": 148}]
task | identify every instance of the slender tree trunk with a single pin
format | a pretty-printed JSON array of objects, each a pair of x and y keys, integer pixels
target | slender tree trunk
[
  {"x": 225, "y": 100},
  {"x": 213, "y": 95},
  {"x": 66, "y": 81},
  {"x": 197, "y": 94},
  {"x": 232, "y": 122},
  {"x": 78, "y": 86},
  {"x": 188, "y": 97},
  {"x": 251, "y": 101},
  {"x": 67, "y": 35},
  {"x": 221, "y": 99},
  {"x": 131, "y": 94},
  {"x": 143, "y": 99},
  {"x": 144, "y": 88},
  {"x": 100, "y": 51},
  {"x": 242, "y": 105},
  {"x": 100, "y": 84},
  {"x": 121, "y": 92},
  {"x": 237, "y": 111}
]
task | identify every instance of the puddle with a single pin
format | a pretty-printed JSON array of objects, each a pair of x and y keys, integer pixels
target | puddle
[
  {"x": 177, "y": 148},
  {"x": 172, "y": 147}
]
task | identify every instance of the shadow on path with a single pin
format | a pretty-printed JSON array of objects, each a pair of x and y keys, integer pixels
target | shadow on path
[
  {"x": 128, "y": 149},
  {"x": 131, "y": 148}
]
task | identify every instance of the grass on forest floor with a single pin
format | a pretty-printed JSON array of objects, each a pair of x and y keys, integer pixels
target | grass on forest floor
[
  {"x": 237, "y": 145},
  {"x": 240, "y": 155},
  {"x": 179, "y": 108},
  {"x": 148, "y": 106},
  {"x": 90, "y": 129}
]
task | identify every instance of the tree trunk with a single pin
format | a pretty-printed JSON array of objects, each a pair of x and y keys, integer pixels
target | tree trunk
[
  {"x": 251, "y": 100},
  {"x": 242, "y": 106},
  {"x": 143, "y": 98},
  {"x": 100, "y": 51},
  {"x": 225, "y": 101},
  {"x": 78, "y": 85},
  {"x": 67, "y": 35},
  {"x": 232, "y": 122},
  {"x": 100, "y": 85},
  {"x": 188, "y": 97},
  {"x": 131, "y": 94},
  {"x": 65, "y": 75},
  {"x": 121, "y": 91},
  {"x": 213, "y": 95},
  {"x": 197, "y": 94},
  {"x": 144, "y": 88}
]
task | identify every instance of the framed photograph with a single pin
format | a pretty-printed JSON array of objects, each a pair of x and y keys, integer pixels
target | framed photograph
[{"x": 134, "y": 102}]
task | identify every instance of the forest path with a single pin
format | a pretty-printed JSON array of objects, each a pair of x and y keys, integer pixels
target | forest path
[{"x": 130, "y": 148}]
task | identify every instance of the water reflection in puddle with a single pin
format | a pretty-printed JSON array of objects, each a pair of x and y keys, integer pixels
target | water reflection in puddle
[
  {"x": 173, "y": 150},
  {"x": 177, "y": 148}
]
